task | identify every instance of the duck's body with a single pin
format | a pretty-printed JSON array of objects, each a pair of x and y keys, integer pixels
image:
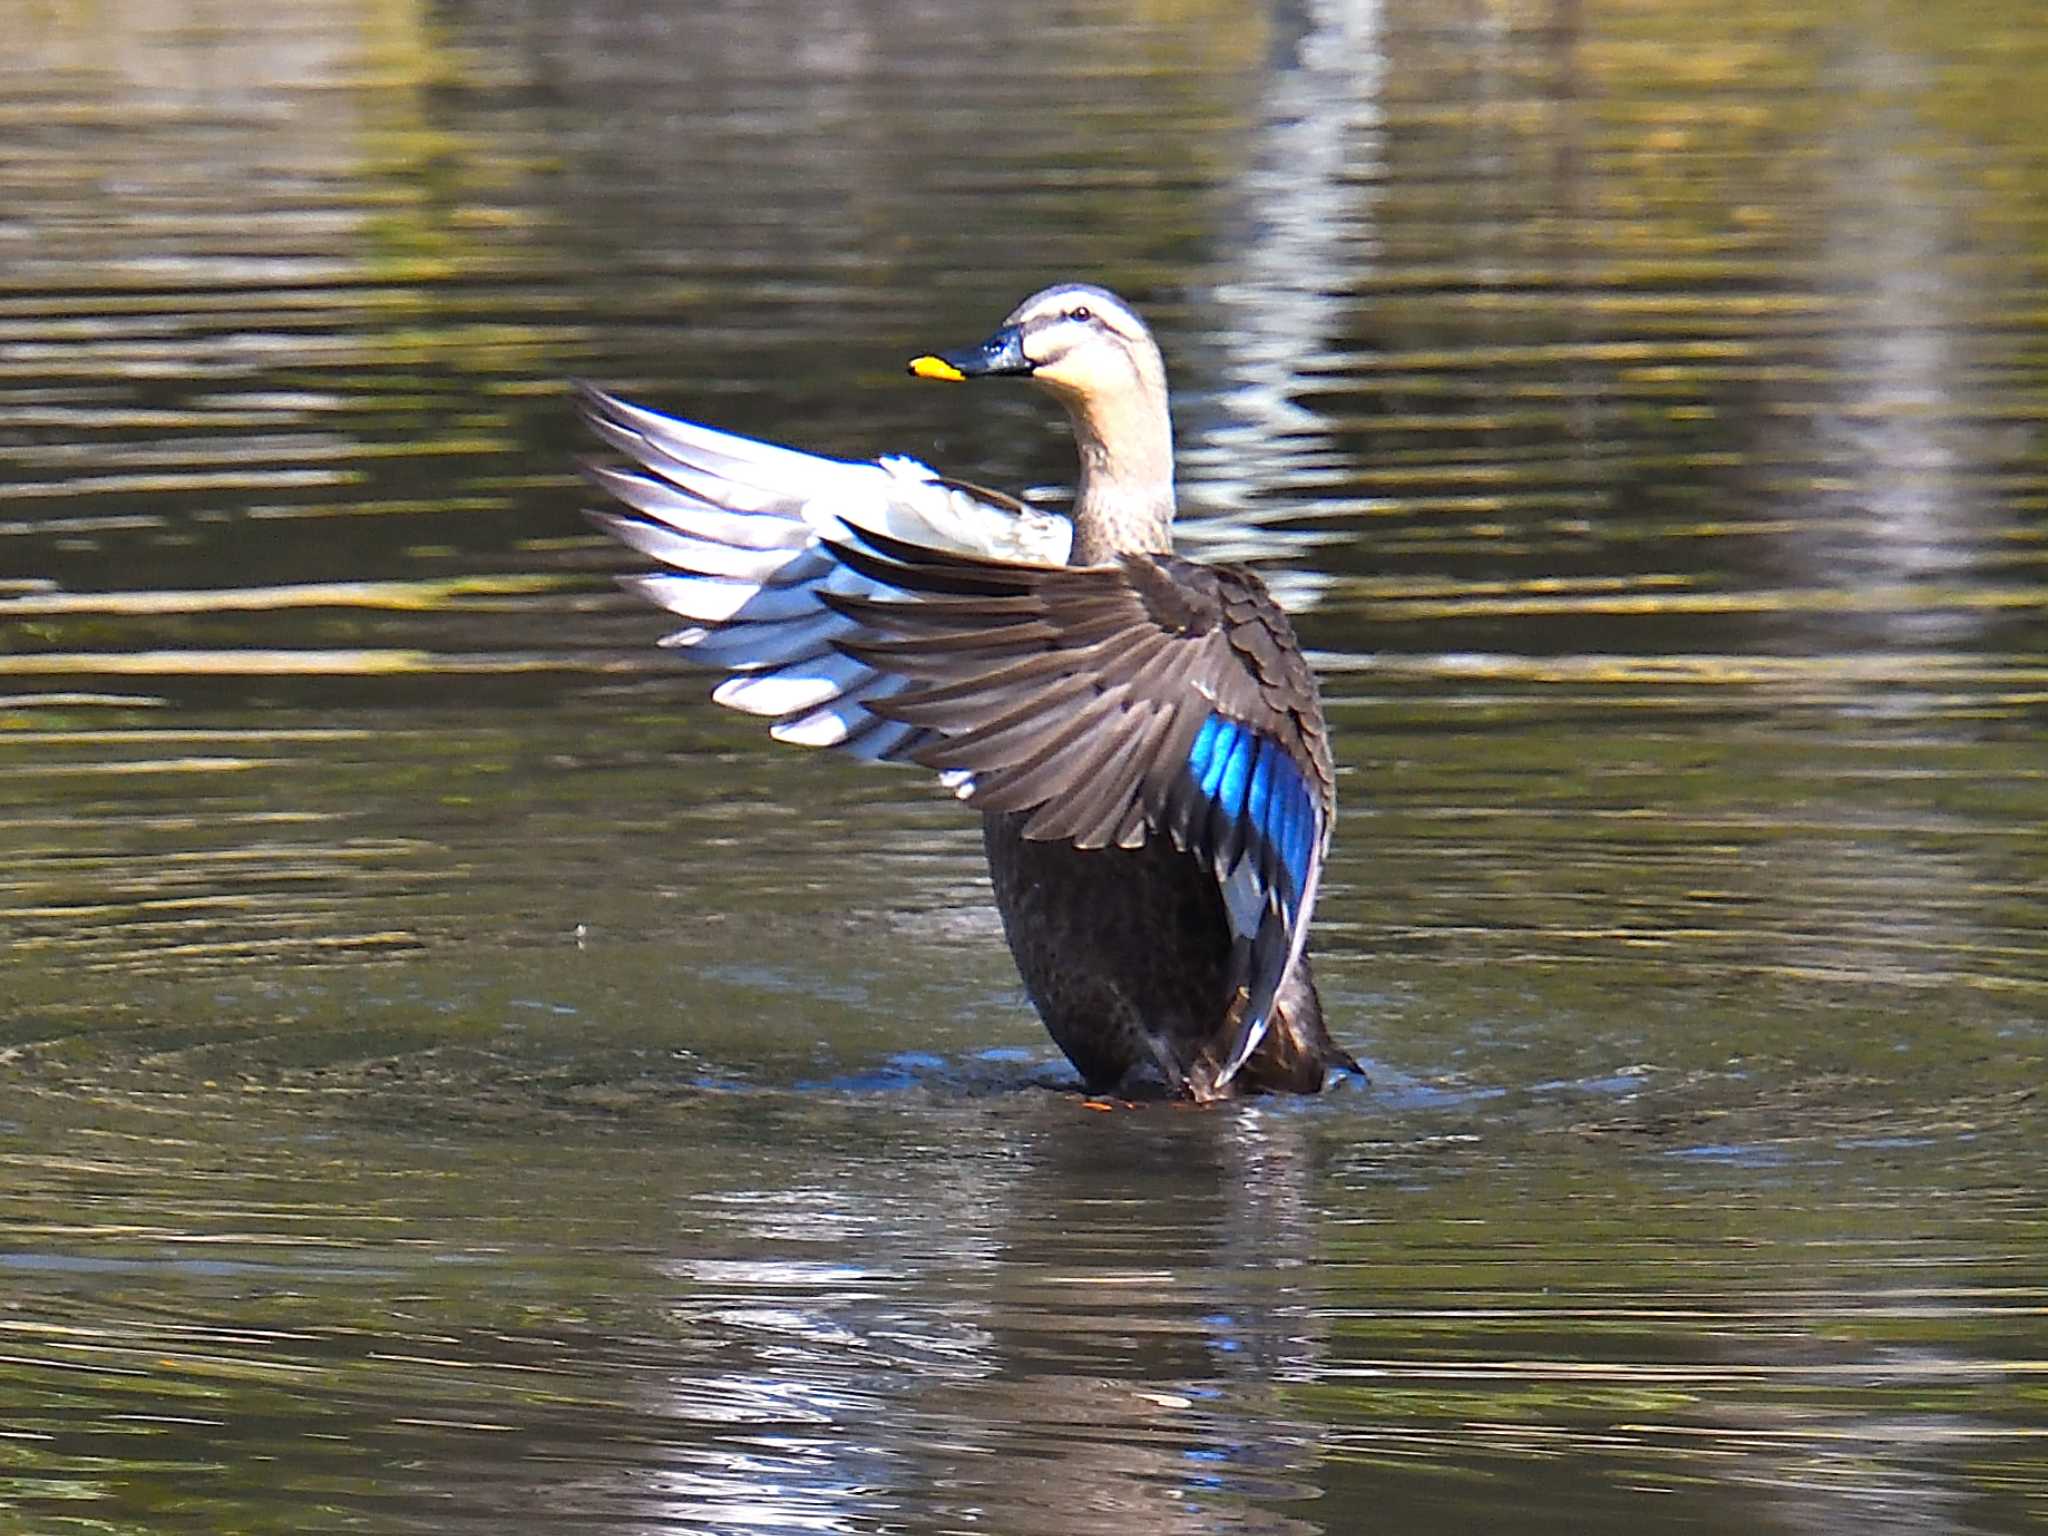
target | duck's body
[
  {"x": 1125, "y": 955},
  {"x": 1142, "y": 733}
]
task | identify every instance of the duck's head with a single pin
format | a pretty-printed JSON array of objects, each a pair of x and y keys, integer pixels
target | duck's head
[
  {"x": 1089, "y": 350},
  {"x": 1079, "y": 342}
]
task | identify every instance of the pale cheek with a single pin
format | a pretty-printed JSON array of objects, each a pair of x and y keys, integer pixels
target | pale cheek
[{"x": 1069, "y": 377}]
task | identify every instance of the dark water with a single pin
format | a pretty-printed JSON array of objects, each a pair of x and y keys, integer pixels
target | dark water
[{"x": 452, "y": 1078}]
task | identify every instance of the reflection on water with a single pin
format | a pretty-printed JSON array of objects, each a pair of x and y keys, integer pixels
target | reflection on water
[
  {"x": 455, "y": 1079},
  {"x": 1275, "y": 1320},
  {"x": 1103, "y": 1339}
]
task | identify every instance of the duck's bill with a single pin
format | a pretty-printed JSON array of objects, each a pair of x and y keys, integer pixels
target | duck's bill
[{"x": 1002, "y": 353}]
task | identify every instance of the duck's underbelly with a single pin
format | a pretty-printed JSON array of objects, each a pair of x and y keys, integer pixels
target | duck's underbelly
[{"x": 1123, "y": 950}]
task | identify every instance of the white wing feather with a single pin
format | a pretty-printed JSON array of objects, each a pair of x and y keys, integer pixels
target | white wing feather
[{"x": 740, "y": 528}]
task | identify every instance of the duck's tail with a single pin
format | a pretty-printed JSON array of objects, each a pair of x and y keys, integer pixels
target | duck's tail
[{"x": 1297, "y": 1055}]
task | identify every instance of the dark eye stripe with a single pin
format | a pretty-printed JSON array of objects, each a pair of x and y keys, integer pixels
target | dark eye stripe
[{"x": 1088, "y": 313}]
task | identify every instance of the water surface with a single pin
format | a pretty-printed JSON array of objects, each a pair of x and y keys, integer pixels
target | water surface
[{"x": 452, "y": 1077}]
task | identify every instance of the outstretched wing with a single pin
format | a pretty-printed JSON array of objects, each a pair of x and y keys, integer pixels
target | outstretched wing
[
  {"x": 1109, "y": 702},
  {"x": 882, "y": 610},
  {"x": 739, "y": 527}
]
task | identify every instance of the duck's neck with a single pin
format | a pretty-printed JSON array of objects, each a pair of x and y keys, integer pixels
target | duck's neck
[{"x": 1123, "y": 503}]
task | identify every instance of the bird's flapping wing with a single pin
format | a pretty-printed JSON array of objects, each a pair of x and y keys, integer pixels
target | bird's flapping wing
[
  {"x": 739, "y": 528},
  {"x": 1107, "y": 703},
  {"x": 879, "y": 609}
]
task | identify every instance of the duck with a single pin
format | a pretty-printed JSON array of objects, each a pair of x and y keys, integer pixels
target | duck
[{"x": 1141, "y": 733}]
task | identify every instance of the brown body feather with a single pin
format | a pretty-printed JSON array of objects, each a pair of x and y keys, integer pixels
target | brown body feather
[
  {"x": 1124, "y": 954},
  {"x": 1072, "y": 695}
]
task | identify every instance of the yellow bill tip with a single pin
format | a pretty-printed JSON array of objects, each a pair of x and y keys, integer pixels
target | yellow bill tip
[{"x": 929, "y": 367}]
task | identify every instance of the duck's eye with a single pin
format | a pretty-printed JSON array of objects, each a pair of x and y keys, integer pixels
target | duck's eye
[{"x": 1082, "y": 314}]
